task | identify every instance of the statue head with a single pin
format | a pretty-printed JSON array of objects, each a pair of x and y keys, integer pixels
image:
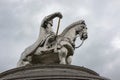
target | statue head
[
  {"x": 48, "y": 27},
  {"x": 82, "y": 30},
  {"x": 84, "y": 34}
]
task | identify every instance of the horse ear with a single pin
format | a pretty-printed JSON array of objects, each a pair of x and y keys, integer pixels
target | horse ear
[{"x": 83, "y": 22}]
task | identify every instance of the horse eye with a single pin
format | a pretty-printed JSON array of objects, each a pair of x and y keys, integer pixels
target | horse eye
[
  {"x": 83, "y": 27},
  {"x": 77, "y": 32}
]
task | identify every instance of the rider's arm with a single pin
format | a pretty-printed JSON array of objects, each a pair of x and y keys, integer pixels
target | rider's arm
[{"x": 50, "y": 17}]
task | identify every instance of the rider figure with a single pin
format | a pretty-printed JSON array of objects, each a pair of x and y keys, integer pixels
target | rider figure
[
  {"x": 47, "y": 36},
  {"x": 47, "y": 24},
  {"x": 45, "y": 33}
]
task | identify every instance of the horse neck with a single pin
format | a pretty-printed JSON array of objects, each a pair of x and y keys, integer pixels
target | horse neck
[{"x": 71, "y": 34}]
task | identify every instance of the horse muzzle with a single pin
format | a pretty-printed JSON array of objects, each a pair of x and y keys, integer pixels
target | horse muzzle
[{"x": 84, "y": 36}]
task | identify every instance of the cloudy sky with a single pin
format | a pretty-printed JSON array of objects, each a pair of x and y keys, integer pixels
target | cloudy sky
[{"x": 20, "y": 21}]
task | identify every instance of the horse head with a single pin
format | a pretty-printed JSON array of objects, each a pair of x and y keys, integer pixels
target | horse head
[{"x": 81, "y": 30}]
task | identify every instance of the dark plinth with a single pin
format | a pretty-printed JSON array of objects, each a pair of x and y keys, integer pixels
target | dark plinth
[{"x": 50, "y": 72}]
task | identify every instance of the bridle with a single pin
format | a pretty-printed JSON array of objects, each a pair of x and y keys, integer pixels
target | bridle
[{"x": 81, "y": 42}]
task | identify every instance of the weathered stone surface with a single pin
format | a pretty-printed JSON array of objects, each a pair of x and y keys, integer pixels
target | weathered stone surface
[
  {"x": 50, "y": 72},
  {"x": 50, "y": 42}
]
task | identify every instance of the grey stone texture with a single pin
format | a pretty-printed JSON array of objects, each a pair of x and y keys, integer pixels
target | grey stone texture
[
  {"x": 51, "y": 72},
  {"x": 51, "y": 48}
]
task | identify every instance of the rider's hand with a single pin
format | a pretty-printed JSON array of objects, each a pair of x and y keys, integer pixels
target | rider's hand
[{"x": 58, "y": 14}]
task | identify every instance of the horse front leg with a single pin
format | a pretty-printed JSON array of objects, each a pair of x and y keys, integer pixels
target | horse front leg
[
  {"x": 62, "y": 55},
  {"x": 69, "y": 59}
]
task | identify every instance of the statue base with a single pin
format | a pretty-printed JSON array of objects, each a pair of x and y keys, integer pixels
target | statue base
[{"x": 50, "y": 72}]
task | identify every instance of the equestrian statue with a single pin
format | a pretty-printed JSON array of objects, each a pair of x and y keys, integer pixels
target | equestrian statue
[{"x": 51, "y": 48}]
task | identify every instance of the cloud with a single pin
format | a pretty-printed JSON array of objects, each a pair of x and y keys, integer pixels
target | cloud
[
  {"x": 116, "y": 42},
  {"x": 20, "y": 22}
]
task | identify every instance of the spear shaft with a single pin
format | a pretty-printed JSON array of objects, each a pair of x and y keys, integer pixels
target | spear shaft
[{"x": 58, "y": 27}]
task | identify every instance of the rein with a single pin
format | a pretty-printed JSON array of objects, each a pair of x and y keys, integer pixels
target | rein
[{"x": 80, "y": 44}]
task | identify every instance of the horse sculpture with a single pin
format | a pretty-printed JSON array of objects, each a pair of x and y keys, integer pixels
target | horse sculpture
[
  {"x": 68, "y": 38},
  {"x": 64, "y": 44},
  {"x": 57, "y": 49}
]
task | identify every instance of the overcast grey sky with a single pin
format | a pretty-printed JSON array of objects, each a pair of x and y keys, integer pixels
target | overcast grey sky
[{"x": 20, "y": 21}]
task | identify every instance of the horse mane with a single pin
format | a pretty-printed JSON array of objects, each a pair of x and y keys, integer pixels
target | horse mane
[{"x": 70, "y": 26}]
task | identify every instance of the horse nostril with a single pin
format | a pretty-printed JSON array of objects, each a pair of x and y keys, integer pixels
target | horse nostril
[{"x": 85, "y": 36}]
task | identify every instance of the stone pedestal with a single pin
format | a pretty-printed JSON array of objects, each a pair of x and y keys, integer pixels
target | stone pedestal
[{"x": 50, "y": 72}]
